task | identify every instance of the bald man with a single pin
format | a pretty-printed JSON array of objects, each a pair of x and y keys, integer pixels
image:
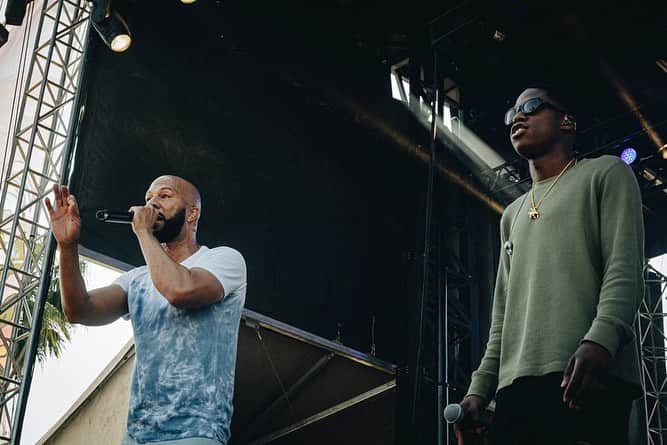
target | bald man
[{"x": 185, "y": 305}]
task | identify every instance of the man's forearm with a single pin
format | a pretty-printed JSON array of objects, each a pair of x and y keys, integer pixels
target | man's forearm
[
  {"x": 169, "y": 277},
  {"x": 73, "y": 292}
]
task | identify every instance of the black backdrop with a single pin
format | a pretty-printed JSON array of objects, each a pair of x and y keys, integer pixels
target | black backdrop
[{"x": 328, "y": 214}]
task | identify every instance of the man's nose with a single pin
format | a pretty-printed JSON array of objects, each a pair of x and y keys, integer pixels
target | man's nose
[
  {"x": 153, "y": 203},
  {"x": 519, "y": 117}
]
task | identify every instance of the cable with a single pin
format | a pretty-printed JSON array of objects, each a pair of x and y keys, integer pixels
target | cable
[
  {"x": 275, "y": 373},
  {"x": 373, "y": 336},
  {"x": 427, "y": 238}
]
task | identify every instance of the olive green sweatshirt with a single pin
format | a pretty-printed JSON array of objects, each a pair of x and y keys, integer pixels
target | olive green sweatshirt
[{"x": 573, "y": 274}]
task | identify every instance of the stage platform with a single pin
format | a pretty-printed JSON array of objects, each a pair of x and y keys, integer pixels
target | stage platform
[{"x": 292, "y": 387}]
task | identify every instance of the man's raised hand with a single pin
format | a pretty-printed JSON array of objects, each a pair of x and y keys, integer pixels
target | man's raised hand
[
  {"x": 64, "y": 215},
  {"x": 144, "y": 218}
]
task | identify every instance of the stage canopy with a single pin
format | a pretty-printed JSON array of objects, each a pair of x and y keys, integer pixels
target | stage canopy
[{"x": 282, "y": 114}]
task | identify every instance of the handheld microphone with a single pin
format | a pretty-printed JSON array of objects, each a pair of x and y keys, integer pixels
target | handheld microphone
[
  {"x": 454, "y": 413},
  {"x": 109, "y": 216}
]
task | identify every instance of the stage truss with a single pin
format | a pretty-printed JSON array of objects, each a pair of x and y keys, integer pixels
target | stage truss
[
  {"x": 38, "y": 157},
  {"x": 652, "y": 339}
]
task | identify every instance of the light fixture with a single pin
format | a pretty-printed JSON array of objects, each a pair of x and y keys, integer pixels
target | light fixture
[
  {"x": 114, "y": 31},
  {"x": 188, "y": 2},
  {"x": 15, "y": 11},
  {"x": 499, "y": 36},
  {"x": 4, "y": 35},
  {"x": 629, "y": 155},
  {"x": 662, "y": 64}
]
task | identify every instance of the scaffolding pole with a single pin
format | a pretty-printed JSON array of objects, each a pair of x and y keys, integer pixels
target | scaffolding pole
[
  {"x": 38, "y": 157},
  {"x": 651, "y": 335}
]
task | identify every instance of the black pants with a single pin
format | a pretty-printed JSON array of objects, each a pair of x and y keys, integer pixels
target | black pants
[{"x": 531, "y": 411}]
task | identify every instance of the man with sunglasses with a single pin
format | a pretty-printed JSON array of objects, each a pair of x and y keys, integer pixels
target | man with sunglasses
[{"x": 561, "y": 358}]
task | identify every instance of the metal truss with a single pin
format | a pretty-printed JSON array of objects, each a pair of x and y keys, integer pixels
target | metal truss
[
  {"x": 449, "y": 337},
  {"x": 38, "y": 158},
  {"x": 506, "y": 182},
  {"x": 651, "y": 334}
]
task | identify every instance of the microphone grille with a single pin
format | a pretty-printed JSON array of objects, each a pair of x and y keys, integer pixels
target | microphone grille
[{"x": 453, "y": 413}]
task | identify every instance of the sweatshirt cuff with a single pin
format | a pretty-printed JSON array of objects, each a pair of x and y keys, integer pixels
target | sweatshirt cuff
[
  {"x": 482, "y": 386},
  {"x": 605, "y": 334}
]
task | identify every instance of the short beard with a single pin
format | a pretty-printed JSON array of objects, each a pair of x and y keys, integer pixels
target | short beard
[{"x": 171, "y": 228}]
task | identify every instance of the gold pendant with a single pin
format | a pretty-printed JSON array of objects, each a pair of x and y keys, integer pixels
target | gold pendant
[{"x": 533, "y": 213}]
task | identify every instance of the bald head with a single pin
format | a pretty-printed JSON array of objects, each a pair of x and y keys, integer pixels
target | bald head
[
  {"x": 188, "y": 192},
  {"x": 177, "y": 199}
]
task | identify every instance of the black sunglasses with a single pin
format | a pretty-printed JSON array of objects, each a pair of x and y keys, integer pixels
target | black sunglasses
[{"x": 531, "y": 106}]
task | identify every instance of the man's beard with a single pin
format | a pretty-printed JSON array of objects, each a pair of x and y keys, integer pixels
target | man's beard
[{"x": 171, "y": 227}]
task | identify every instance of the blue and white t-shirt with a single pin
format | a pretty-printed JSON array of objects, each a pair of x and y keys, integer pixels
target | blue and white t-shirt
[{"x": 183, "y": 378}]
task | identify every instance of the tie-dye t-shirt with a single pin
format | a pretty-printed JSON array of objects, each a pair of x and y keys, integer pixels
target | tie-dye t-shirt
[{"x": 183, "y": 377}]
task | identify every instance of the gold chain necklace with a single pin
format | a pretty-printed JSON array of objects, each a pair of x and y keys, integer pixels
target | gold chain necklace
[{"x": 534, "y": 213}]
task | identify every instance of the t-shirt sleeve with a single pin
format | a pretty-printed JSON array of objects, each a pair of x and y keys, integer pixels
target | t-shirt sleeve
[
  {"x": 124, "y": 282},
  {"x": 227, "y": 265}
]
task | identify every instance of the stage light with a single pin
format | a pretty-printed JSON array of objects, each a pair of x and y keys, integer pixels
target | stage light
[
  {"x": 663, "y": 150},
  {"x": 662, "y": 64},
  {"x": 188, "y": 2},
  {"x": 629, "y": 155},
  {"x": 15, "y": 11},
  {"x": 114, "y": 31},
  {"x": 4, "y": 35}
]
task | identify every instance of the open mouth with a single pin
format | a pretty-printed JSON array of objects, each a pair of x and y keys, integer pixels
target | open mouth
[{"x": 517, "y": 129}]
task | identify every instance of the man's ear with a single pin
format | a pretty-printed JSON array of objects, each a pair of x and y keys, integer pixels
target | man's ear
[
  {"x": 193, "y": 215},
  {"x": 568, "y": 123}
]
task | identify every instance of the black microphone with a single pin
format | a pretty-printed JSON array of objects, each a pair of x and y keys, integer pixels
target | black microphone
[
  {"x": 454, "y": 413},
  {"x": 110, "y": 216}
]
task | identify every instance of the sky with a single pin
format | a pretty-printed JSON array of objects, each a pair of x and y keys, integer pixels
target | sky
[
  {"x": 10, "y": 57},
  {"x": 660, "y": 264},
  {"x": 58, "y": 383}
]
